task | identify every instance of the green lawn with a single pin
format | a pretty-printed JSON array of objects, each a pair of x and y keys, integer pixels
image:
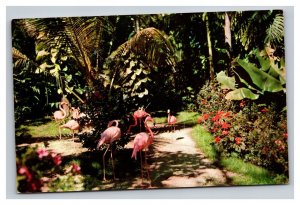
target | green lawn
[
  {"x": 183, "y": 117},
  {"x": 40, "y": 128}
]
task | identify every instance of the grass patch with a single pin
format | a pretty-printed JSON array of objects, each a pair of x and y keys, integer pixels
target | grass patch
[
  {"x": 250, "y": 174},
  {"x": 187, "y": 117},
  {"x": 182, "y": 117},
  {"x": 203, "y": 140},
  {"x": 35, "y": 129},
  {"x": 247, "y": 173},
  {"x": 160, "y": 120}
]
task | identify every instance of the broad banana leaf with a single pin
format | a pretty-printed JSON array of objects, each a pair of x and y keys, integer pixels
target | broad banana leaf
[
  {"x": 260, "y": 78},
  {"x": 225, "y": 81},
  {"x": 241, "y": 93}
]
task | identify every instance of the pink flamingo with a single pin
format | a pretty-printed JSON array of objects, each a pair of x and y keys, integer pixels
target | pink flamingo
[
  {"x": 138, "y": 116},
  {"x": 171, "y": 119},
  {"x": 76, "y": 114},
  {"x": 59, "y": 115},
  {"x": 72, "y": 125},
  {"x": 111, "y": 134},
  {"x": 141, "y": 142}
]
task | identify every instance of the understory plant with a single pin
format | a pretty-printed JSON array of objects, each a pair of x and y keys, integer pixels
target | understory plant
[
  {"x": 255, "y": 132},
  {"x": 40, "y": 169}
]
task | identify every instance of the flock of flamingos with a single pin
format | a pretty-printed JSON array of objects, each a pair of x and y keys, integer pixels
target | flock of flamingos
[{"x": 141, "y": 141}]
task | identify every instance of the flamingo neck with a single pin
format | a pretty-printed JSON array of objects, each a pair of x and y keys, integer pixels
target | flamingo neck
[
  {"x": 111, "y": 122},
  {"x": 169, "y": 117},
  {"x": 64, "y": 112},
  {"x": 149, "y": 130}
]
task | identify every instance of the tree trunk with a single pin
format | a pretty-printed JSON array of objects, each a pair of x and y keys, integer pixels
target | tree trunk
[
  {"x": 227, "y": 30},
  {"x": 137, "y": 23},
  {"x": 227, "y": 34},
  {"x": 210, "y": 54}
]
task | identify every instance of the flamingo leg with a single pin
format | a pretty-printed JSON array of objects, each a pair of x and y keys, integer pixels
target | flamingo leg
[
  {"x": 141, "y": 165},
  {"x": 103, "y": 158},
  {"x": 73, "y": 134},
  {"x": 147, "y": 167},
  {"x": 112, "y": 162},
  {"x": 140, "y": 124}
]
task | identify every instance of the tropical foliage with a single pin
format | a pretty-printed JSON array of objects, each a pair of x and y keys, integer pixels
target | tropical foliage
[{"x": 227, "y": 66}]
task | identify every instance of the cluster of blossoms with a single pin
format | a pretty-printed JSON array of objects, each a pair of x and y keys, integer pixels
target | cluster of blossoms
[
  {"x": 36, "y": 164},
  {"x": 219, "y": 124}
]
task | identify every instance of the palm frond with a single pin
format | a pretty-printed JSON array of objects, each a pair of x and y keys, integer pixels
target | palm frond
[
  {"x": 21, "y": 60},
  {"x": 275, "y": 33},
  {"x": 149, "y": 44}
]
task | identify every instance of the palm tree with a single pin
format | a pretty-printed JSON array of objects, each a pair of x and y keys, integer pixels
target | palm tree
[
  {"x": 80, "y": 38},
  {"x": 148, "y": 47},
  {"x": 209, "y": 44},
  {"x": 258, "y": 28}
]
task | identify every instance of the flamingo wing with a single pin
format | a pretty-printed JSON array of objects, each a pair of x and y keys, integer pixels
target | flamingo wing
[
  {"x": 58, "y": 115},
  {"x": 109, "y": 135},
  {"x": 141, "y": 141},
  {"x": 173, "y": 120}
]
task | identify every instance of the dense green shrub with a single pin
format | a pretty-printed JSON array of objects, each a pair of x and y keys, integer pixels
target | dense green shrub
[
  {"x": 100, "y": 109},
  {"x": 254, "y": 132}
]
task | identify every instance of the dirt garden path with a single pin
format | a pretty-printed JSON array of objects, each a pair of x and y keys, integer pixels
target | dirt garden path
[{"x": 175, "y": 161}]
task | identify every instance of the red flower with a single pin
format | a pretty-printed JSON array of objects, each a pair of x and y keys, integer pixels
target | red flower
[
  {"x": 225, "y": 132},
  {"x": 24, "y": 171},
  {"x": 264, "y": 110},
  {"x": 203, "y": 101},
  {"x": 285, "y": 135},
  {"x": 215, "y": 129},
  {"x": 217, "y": 139},
  {"x": 217, "y": 123},
  {"x": 205, "y": 116},
  {"x": 216, "y": 118},
  {"x": 200, "y": 119},
  {"x": 238, "y": 140},
  {"x": 226, "y": 114},
  {"x": 220, "y": 112},
  {"x": 57, "y": 159},
  {"x": 280, "y": 145},
  {"x": 225, "y": 125},
  {"x": 76, "y": 168},
  {"x": 242, "y": 103},
  {"x": 42, "y": 153}
]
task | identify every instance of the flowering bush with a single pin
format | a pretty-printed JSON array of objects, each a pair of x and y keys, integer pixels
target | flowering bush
[
  {"x": 35, "y": 166},
  {"x": 254, "y": 132}
]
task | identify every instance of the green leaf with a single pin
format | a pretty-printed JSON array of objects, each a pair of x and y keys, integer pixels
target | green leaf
[
  {"x": 41, "y": 54},
  {"x": 138, "y": 72},
  {"x": 241, "y": 93},
  {"x": 225, "y": 81},
  {"x": 246, "y": 83},
  {"x": 79, "y": 90},
  {"x": 264, "y": 62},
  {"x": 260, "y": 78},
  {"x": 68, "y": 78},
  {"x": 59, "y": 91}
]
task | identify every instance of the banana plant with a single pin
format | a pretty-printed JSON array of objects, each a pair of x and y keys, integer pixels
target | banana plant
[{"x": 269, "y": 77}]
